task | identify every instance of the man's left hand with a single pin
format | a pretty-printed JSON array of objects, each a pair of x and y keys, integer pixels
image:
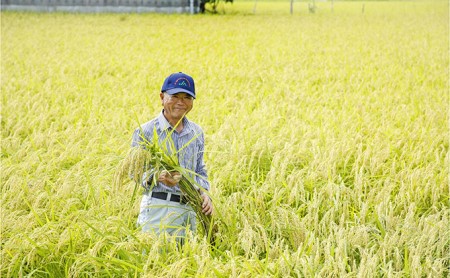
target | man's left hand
[{"x": 207, "y": 206}]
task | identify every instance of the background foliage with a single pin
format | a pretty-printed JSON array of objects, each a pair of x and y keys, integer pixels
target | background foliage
[{"x": 327, "y": 139}]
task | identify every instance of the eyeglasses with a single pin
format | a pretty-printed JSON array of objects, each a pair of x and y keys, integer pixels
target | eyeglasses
[{"x": 182, "y": 97}]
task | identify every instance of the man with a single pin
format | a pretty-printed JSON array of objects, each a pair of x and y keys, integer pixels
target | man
[{"x": 163, "y": 208}]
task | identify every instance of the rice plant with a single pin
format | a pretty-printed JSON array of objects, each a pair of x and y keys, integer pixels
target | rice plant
[{"x": 155, "y": 157}]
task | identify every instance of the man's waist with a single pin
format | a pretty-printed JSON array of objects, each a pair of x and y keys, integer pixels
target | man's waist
[{"x": 168, "y": 196}]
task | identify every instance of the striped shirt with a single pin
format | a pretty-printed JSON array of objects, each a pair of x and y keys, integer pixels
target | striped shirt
[{"x": 190, "y": 157}]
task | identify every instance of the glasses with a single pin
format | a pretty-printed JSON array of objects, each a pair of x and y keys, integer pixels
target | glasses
[{"x": 182, "y": 97}]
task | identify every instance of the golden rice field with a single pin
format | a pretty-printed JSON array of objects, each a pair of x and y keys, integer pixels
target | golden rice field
[{"x": 327, "y": 139}]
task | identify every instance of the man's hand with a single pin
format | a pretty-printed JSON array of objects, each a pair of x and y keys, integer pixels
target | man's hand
[
  {"x": 169, "y": 178},
  {"x": 207, "y": 206}
]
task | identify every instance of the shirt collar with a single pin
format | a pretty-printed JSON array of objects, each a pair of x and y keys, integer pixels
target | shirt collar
[{"x": 164, "y": 123}]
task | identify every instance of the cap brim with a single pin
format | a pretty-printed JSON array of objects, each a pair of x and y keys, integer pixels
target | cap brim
[{"x": 178, "y": 90}]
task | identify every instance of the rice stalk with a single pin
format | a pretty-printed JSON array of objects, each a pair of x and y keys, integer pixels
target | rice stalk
[{"x": 153, "y": 158}]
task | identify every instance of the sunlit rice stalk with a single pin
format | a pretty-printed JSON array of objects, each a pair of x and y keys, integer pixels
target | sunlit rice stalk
[{"x": 154, "y": 157}]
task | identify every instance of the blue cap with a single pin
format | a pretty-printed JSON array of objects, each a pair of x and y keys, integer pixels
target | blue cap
[{"x": 179, "y": 83}]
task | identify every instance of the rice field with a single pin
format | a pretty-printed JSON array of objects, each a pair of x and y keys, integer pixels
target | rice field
[{"x": 327, "y": 139}]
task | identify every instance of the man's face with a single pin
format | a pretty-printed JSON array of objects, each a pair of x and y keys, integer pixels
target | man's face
[{"x": 177, "y": 105}]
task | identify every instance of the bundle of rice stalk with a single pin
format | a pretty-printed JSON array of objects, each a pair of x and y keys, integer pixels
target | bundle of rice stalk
[{"x": 153, "y": 158}]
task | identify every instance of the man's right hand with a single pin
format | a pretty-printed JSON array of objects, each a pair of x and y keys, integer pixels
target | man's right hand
[{"x": 169, "y": 178}]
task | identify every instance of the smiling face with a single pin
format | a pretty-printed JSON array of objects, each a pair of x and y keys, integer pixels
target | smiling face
[{"x": 176, "y": 106}]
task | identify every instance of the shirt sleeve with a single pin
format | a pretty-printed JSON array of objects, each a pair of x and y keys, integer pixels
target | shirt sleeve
[
  {"x": 137, "y": 138},
  {"x": 202, "y": 178}
]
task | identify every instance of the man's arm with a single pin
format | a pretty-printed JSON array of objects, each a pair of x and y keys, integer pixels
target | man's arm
[{"x": 202, "y": 177}]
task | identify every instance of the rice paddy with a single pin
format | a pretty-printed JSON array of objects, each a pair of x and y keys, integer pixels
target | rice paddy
[{"x": 327, "y": 138}]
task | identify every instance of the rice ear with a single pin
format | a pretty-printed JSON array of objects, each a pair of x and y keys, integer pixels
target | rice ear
[{"x": 153, "y": 157}]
